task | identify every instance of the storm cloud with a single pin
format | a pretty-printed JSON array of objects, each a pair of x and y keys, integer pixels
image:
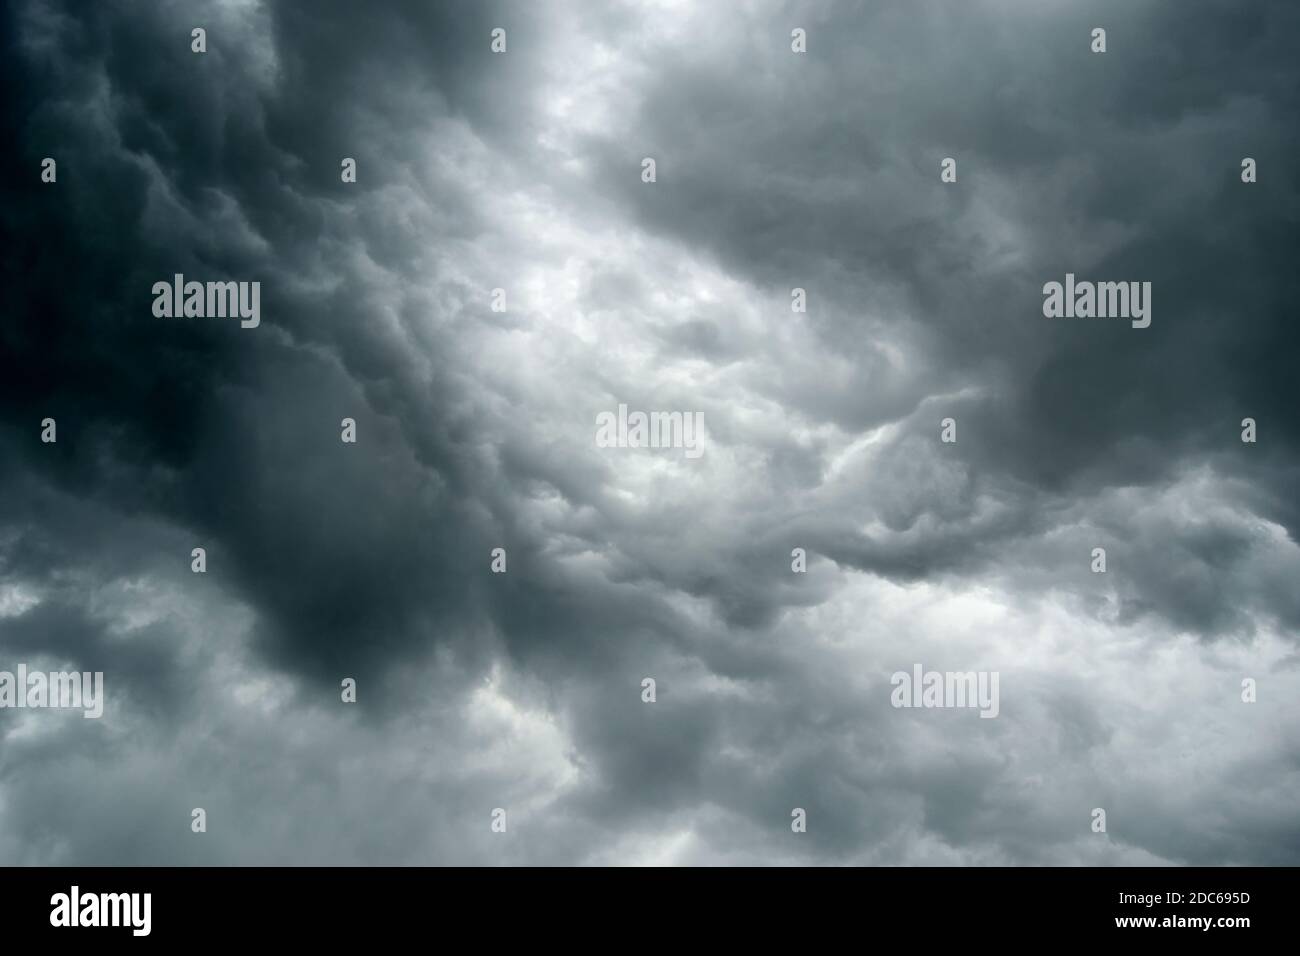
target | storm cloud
[{"x": 775, "y": 170}]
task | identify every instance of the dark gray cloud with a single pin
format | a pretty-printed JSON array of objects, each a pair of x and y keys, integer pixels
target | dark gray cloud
[{"x": 522, "y": 690}]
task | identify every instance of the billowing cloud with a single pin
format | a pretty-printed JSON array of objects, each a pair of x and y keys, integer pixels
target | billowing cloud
[{"x": 521, "y": 172}]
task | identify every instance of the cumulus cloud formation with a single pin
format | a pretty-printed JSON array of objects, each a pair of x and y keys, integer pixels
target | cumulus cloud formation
[{"x": 522, "y": 171}]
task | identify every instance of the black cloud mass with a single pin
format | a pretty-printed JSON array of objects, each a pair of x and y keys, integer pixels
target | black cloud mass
[{"x": 775, "y": 170}]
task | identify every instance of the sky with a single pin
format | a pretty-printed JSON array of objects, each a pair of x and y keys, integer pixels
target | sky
[{"x": 475, "y": 423}]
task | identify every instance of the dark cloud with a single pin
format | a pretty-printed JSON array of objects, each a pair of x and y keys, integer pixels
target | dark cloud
[{"x": 522, "y": 690}]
